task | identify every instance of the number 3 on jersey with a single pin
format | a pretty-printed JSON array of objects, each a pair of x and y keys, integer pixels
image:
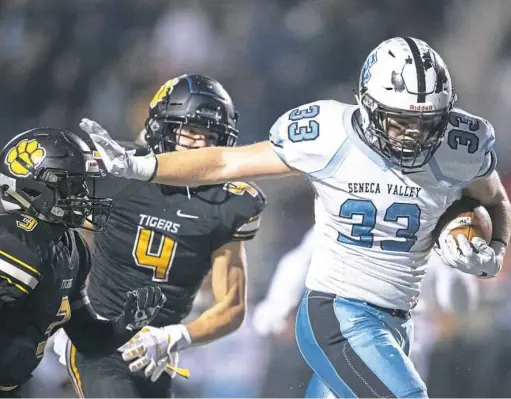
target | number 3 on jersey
[
  {"x": 298, "y": 133},
  {"x": 361, "y": 233},
  {"x": 154, "y": 251}
]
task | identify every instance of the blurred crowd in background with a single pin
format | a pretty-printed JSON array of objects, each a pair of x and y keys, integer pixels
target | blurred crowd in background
[{"x": 104, "y": 59}]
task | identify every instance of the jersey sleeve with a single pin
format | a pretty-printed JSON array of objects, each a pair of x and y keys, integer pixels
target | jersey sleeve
[
  {"x": 311, "y": 138},
  {"x": 467, "y": 152},
  {"x": 241, "y": 213},
  {"x": 20, "y": 269},
  {"x": 488, "y": 155}
]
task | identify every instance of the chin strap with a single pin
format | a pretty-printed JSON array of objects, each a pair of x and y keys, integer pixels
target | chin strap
[{"x": 24, "y": 203}]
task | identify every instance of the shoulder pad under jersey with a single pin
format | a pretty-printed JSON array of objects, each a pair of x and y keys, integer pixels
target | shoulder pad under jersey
[
  {"x": 467, "y": 151},
  {"x": 311, "y": 138}
]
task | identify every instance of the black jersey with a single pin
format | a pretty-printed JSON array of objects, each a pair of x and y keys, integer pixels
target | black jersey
[
  {"x": 166, "y": 235},
  {"x": 43, "y": 267}
]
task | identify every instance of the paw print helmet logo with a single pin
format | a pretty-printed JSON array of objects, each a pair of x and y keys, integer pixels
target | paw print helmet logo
[{"x": 27, "y": 155}]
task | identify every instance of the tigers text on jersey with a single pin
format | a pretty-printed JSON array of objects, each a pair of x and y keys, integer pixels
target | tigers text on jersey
[
  {"x": 43, "y": 267},
  {"x": 166, "y": 235},
  {"x": 374, "y": 221}
]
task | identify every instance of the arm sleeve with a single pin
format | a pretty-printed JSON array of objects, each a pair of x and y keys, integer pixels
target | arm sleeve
[
  {"x": 17, "y": 356},
  {"x": 20, "y": 274},
  {"x": 17, "y": 348}
]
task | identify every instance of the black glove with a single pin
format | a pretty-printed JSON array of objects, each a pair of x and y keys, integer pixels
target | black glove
[{"x": 141, "y": 307}]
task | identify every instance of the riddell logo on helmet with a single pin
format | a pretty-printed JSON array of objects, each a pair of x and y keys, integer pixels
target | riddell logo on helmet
[{"x": 421, "y": 107}]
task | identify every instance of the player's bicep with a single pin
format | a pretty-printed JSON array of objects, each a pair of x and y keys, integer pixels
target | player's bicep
[{"x": 228, "y": 273}]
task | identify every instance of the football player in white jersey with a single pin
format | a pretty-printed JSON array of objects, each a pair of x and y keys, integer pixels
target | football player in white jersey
[
  {"x": 439, "y": 291},
  {"x": 384, "y": 171}
]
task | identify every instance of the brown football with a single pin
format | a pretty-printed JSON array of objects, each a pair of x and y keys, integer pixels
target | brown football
[{"x": 468, "y": 217}]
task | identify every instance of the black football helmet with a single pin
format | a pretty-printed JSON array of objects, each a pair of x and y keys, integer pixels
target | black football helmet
[
  {"x": 190, "y": 101},
  {"x": 49, "y": 169}
]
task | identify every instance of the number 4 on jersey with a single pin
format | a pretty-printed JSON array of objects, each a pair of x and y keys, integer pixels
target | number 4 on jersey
[{"x": 154, "y": 251}]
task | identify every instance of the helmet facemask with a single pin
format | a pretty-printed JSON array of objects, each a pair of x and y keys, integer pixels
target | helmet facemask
[
  {"x": 73, "y": 203},
  {"x": 407, "y": 139},
  {"x": 165, "y": 134},
  {"x": 80, "y": 205}
]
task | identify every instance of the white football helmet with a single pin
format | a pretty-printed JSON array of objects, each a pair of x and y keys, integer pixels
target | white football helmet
[{"x": 406, "y": 94}]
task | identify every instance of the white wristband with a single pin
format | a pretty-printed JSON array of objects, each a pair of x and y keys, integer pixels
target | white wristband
[
  {"x": 143, "y": 167},
  {"x": 179, "y": 333}
]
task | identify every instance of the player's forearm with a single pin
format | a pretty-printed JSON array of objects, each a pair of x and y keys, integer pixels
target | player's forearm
[
  {"x": 17, "y": 357},
  {"x": 220, "y": 320},
  {"x": 219, "y": 165},
  {"x": 500, "y": 214},
  {"x": 91, "y": 335},
  {"x": 193, "y": 168}
]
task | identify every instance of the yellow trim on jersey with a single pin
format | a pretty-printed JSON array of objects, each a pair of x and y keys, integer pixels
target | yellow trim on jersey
[
  {"x": 240, "y": 188},
  {"x": 248, "y": 235},
  {"x": 20, "y": 262},
  {"x": 250, "y": 226},
  {"x": 73, "y": 370},
  {"x": 8, "y": 389},
  {"x": 15, "y": 272},
  {"x": 16, "y": 285}
]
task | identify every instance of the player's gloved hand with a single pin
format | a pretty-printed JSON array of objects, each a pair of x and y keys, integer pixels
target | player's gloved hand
[
  {"x": 475, "y": 257},
  {"x": 141, "y": 307},
  {"x": 156, "y": 350},
  {"x": 118, "y": 161},
  {"x": 269, "y": 318}
]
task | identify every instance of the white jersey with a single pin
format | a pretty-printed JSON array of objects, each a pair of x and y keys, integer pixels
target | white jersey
[{"x": 374, "y": 221}]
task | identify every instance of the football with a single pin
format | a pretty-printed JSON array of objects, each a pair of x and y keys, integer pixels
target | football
[{"x": 465, "y": 216}]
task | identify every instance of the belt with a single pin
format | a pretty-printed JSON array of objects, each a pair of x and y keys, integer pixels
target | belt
[{"x": 400, "y": 313}]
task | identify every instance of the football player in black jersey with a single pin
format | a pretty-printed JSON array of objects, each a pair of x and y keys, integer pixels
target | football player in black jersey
[
  {"x": 173, "y": 237},
  {"x": 44, "y": 261}
]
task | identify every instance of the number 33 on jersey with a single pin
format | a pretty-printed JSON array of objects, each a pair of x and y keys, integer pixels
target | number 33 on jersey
[{"x": 374, "y": 219}]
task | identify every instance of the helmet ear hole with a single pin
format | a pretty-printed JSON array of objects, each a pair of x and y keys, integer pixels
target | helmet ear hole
[{"x": 31, "y": 192}]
